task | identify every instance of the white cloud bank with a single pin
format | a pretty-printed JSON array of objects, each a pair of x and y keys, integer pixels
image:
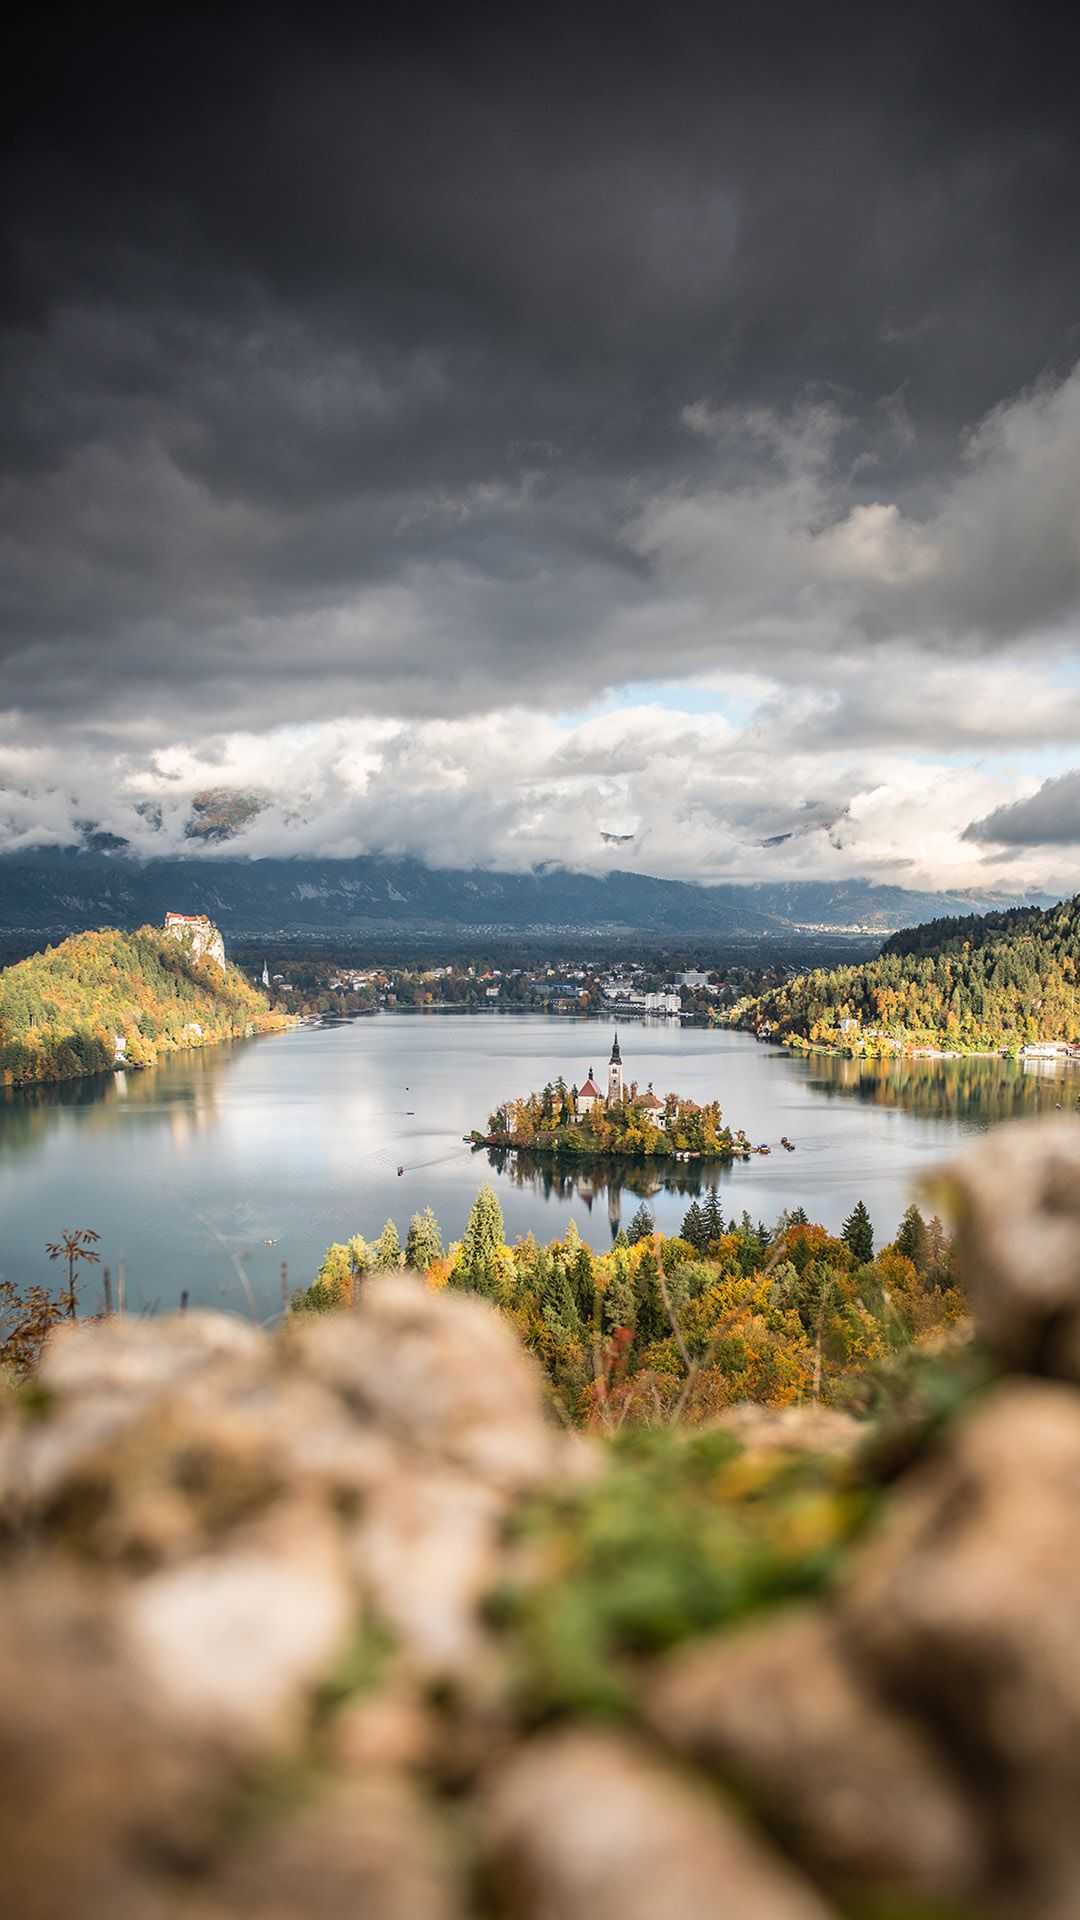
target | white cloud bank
[{"x": 900, "y": 667}]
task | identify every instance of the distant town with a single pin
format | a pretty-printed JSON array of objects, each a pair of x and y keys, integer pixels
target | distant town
[{"x": 626, "y": 990}]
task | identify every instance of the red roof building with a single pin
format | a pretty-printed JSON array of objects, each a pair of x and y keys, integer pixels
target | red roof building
[{"x": 588, "y": 1095}]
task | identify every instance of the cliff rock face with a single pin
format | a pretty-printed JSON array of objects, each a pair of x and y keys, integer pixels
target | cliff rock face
[
  {"x": 198, "y": 934},
  {"x": 255, "y": 1663}
]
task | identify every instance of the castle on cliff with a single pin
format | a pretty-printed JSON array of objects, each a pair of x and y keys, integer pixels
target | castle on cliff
[{"x": 199, "y": 932}]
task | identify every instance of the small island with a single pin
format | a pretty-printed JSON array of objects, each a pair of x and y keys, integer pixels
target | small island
[{"x": 565, "y": 1119}]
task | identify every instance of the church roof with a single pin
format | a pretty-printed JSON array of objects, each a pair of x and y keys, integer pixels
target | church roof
[
  {"x": 649, "y": 1099},
  {"x": 590, "y": 1091},
  {"x": 616, "y": 1056}
]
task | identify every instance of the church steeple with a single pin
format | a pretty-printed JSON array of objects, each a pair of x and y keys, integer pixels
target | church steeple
[{"x": 614, "y": 1074}]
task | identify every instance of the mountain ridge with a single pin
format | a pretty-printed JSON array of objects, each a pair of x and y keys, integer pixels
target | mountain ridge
[{"x": 45, "y": 890}]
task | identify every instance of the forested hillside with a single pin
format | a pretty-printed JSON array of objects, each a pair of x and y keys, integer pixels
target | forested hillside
[
  {"x": 63, "y": 1011},
  {"x": 1000, "y": 980},
  {"x": 682, "y": 1326}
]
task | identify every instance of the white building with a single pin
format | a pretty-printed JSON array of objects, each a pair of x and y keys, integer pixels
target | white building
[
  {"x": 663, "y": 1002},
  {"x": 588, "y": 1095}
]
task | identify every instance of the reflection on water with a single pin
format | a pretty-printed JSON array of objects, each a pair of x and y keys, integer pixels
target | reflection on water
[
  {"x": 599, "y": 1181},
  {"x": 179, "y": 1095},
  {"x": 977, "y": 1091},
  {"x": 267, "y": 1150},
  {"x": 968, "y": 1093}
]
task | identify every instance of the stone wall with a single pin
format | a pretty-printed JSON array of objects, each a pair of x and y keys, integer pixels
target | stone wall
[{"x": 250, "y": 1663}]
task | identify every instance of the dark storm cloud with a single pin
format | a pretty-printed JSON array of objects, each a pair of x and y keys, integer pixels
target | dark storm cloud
[
  {"x": 295, "y": 310},
  {"x": 1049, "y": 818}
]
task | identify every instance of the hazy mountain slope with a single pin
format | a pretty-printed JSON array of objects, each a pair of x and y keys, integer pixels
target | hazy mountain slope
[{"x": 49, "y": 890}]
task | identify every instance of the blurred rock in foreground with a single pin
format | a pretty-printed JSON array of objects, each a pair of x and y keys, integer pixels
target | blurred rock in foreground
[{"x": 333, "y": 1622}]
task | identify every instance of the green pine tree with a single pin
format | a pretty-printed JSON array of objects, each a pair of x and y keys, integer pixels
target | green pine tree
[
  {"x": 360, "y": 1255},
  {"x": 334, "y": 1266},
  {"x": 651, "y": 1322},
  {"x": 583, "y": 1283},
  {"x": 641, "y": 1226},
  {"x": 714, "y": 1219},
  {"x": 693, "y": 1227},
  {"x": 620, "y": 1298},
  {"x": 478, "y": 1263},
  {"x": 423, "y": 1242},
  {"x": 858, "y": 1232},
  {"x": 387, "y": 1251},
  {"x": 913, "y": 1239}
]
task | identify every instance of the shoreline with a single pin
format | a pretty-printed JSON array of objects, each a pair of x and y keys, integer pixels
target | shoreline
[
  {"x": 280, "y": 1024},
  {"x": 492, "y": 1144},
  {"x": 796, "y": 1044}
]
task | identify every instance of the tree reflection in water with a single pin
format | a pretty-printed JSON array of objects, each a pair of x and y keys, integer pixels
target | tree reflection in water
[
  {"x": 601, "y": 1180},
  {"x": 980, "y": 1091}
]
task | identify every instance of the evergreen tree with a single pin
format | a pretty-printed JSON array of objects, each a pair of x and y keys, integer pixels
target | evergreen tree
[
  {"x": 651, "y": 1321},
  {"x": 641, "y": 1226},
  {"x": 584, "y": 1284},
  {"x": 387, "y": 1251},
  {"x": 478, "y": 1263},
  {"x": 858, "y": 1232},
  {"x": 714, "y": 1219},
  {"x": 913, "y": 1239},
  {"x": 620, "y": 1298},
  {"x": 556, "y": 1293},
  {"x": 694, "y": 1227},
  {"x": 423, "y": 1242},
  {"x": 360, "y": 1255},
  {"x": 335, "y": 1286},
  {"x": 622, "y": 1239}
]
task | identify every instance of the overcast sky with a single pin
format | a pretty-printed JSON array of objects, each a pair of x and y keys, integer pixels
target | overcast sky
[{"x": 646, "y": 437}]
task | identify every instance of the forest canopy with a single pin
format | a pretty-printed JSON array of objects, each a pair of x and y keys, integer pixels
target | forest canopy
[
  {"x": 666, "y": 1327},
  {"x": 995, "y": 982}
]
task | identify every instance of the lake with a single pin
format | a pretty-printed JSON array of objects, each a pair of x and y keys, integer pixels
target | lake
[{"x": 209, "y": 1170}]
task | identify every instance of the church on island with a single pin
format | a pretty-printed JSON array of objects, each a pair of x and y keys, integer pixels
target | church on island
[
  {"x": 564, "y": 1119},
  {"x": 588, "y": 1096}
]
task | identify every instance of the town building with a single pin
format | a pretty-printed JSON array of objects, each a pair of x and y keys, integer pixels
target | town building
[{"x": 588, "y": 1095}]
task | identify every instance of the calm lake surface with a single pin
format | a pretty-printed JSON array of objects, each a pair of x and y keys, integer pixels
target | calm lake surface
[{"x": 189, "y": 1170}]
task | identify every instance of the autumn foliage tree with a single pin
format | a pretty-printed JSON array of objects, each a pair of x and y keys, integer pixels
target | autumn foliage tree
[{"x": 658, "y": 1329}]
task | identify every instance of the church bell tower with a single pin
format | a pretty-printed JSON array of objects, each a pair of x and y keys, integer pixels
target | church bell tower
[{"x": 614, "y": 1075}]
